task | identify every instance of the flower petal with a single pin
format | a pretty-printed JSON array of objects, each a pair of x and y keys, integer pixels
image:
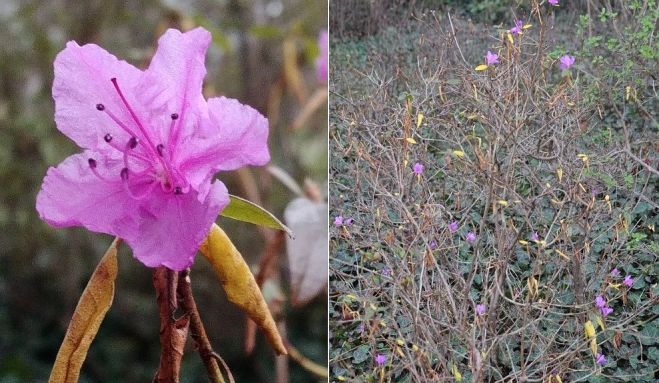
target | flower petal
[
  {"x": 172, "y": 227},
  {"x": 240, "y": 135},
  {"x": 82, "y": 80},
  {"x": 173, "y": 81},
  {"x": 71, "y": 195}
]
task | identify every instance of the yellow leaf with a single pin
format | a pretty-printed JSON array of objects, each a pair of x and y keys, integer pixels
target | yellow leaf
[
  {"x": 94, "y": 303},
  {"x": 400, "y": 352},
  {"x": 502, "y": 202},
  {"x": 599, "y": 321},
  {"x": 400, "y": 342},
  {"x": 589, "y": 330},
  {"x": 481, "y": 67},
  {"x": 593, "y": 346},
  {"x": 527, "y": 26},
  {"x": 239, "y": 283},
  {"x": 458, "y": 153},
  {"x": 510, "y": 37},
  {"x": 405, "y": 162},
  {"x": 341, "y": 378},
  {"x": 410, "y": 140},
  {"x": 559, "y": 174},
  {"x": 523, "y": 242},
  {"x": 562, "y": 254},
  {"x": 419, "y": 119},
  {"x": 456, "y": 374},
  {"x": 558, "y": 378}
]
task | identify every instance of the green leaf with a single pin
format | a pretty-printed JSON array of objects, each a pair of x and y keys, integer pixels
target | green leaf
[{"x": 242, "y": 210}]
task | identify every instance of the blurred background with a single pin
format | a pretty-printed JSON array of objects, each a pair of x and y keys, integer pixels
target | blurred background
[{"x": 264, "y": 54}]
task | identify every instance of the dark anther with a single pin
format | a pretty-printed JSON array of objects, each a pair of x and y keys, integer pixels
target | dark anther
[
  {"x": 174, "y": 116},
  {"x": 160, "y": 148},
  {"x": 92, "y": 163},
  {"x": 113, "y": 79},
  {"x": 100, "y": 107},
  {"x": 107, "y": 137},
  {"x": 132, "y": 143},
  {"x": 124, "y": 174},
  {"x": 178, "y": 190}
]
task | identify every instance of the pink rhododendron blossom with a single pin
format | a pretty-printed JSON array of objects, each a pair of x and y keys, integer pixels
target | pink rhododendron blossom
[
  {"x": 480, "y": 309},
  {"x": 600, "y": 302},
  {"x": 417, "y": 169},
  {"x": 491, "y": 58},
  {"x": 517, "y": 29},
  {"x": 471, "y": 236},
  {"x": 606, "y": 310},
  {"x": 453, "y": 226},
  {"x": 553, "y": 2},
  {"x": 566, "y": 62},
  {"x": 323, "y": 58},
  {"x": 151, "y": 146},
  {"x": 534, "y": 236},
  {"x": 338, "y": 220},
  {"x": 628, "y": 281}
]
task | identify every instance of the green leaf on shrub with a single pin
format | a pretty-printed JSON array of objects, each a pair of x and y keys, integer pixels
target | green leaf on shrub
[
  {"x": 242, "y": 210},
  {"x": 361, "y": 354}
]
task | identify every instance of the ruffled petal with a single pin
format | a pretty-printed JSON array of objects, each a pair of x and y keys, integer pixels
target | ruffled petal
[
  {"x": 173, "y": 81},
  {"x": 172, "y": 227},
  {"x": 71, "y": 195},
  {"x": 239, "y": 138},
  {"x": 82, "y": 80}
]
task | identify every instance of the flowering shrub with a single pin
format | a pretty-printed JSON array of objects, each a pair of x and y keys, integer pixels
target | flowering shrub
[{"x": 528, "y": 205}]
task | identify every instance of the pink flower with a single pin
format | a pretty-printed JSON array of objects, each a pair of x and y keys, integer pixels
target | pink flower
[
  {"x": 491, "y": 58},
  {"x": 480, "y": 309},
  {"x": 606, "y": 310},
  {"x": 338, "y": 220},
  {"x": 380, "y": 359},
  {"x": 323, "y": 58},
  {"x": 553, "y": 2},
  {"x": 628, "y": 281},
  {"x": 517, "y": 29},
  {"x": 600, "y": 302},
  {"x": 566, "y": 62},
  {"x": 417, "y": 169},
  {"x": 615, "y": 273},
  {"x": 534, "y": 236},
  {"x": 600, "y": 359},
  {"x": 453, "y": 226},
  {"x": 151, "y": 146},
  {"x": 471, "y": 236}
]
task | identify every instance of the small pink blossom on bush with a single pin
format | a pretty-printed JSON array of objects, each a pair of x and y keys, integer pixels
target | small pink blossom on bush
[
  {"x": 453, "y": 226},
  {"x": 338, "y": 220},
  {"x": 480, "y": 309},
  {"x": 418, "y": 168},
  {"x": 566, "y": 62},
  {"x": 517, "y": 29},
  {"x": 553, "y": 2},
  {"x": 380, "y": 359},
  {"x": 628, "y": 281},
  {"x": 615, "y": 272},
  {"x": 433, "y": 244},
  {"x": 151, "y": 147},
  {"x": 600, "y": 359},
  {"x": 323, "y": 58},
  {"x": 386, "y": 271},
  {"x": 491, "y": 58},
  {"x": 606, "y": 310},
  {"x": 471, "y": 236},
  {"x": 600, "y": 302},
  {"x": 534, "y": 236}
]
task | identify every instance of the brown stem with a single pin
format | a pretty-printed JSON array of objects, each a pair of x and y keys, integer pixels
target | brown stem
[
  {"x": 197, "y": 331},
  {"x": 173, "y": 332}
]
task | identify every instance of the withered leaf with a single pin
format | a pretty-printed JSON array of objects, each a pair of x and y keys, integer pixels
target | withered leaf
[
  {"x": 239, "y": 283},
  {"x": 94, "y": 303}
]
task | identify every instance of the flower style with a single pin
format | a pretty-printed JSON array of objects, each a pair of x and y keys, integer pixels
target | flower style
[
  {"x": 417, "y": 168},
  {"x": 628, "y": 281},
  {"x": 471, "y": 236},
  {"x": 517, "y": 29},
  {"x": 380, "y": 359},
  {"x": 553, "y": 2},
  {"x": 151, "y": 146},
  {"x": 491, "y": 58},
  {"x": 323, "y": 58},
  {"x": 453, "y": 226},
  {"x": 480, "y": 309},
  {"x": 566, "y": 62}
]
